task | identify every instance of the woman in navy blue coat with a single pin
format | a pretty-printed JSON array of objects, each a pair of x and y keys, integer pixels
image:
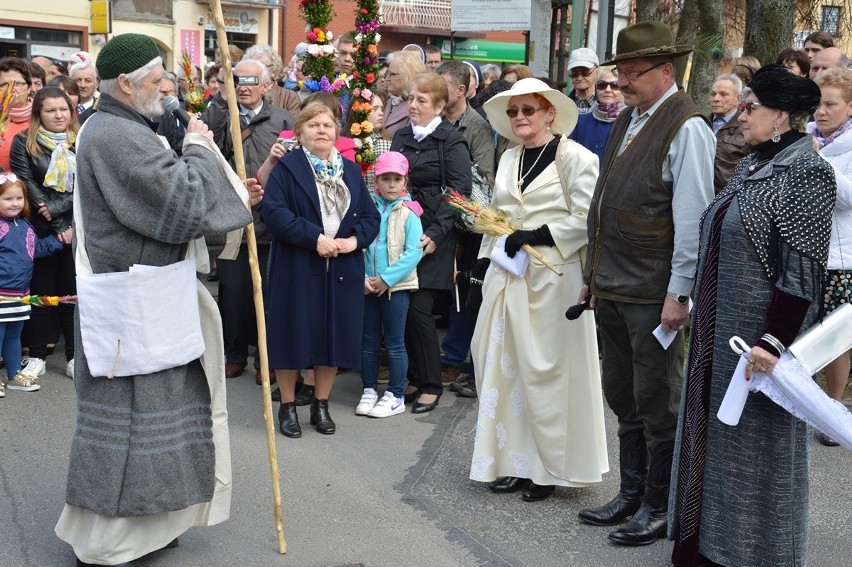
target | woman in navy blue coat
[{"x": 321, "y": 217}]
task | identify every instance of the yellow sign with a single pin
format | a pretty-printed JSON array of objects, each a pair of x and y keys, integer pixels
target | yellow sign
[{"x": 101, "y": 16}]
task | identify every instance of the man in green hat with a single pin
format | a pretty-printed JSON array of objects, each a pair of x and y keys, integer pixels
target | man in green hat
[
  {"x": 150, "y": 455},
  {"x": 655, "y": 181}
]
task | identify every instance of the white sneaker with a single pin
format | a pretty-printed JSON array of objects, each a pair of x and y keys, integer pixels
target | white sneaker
[
  {"x": 69, "y": 369},
  {"x": 389, "y": 405},
  {"x": 23, "y": 382},
  {"x": 34, "y": 367},
  {"x": 2, "y": 389},
  {"x": 368, "y": 400}
]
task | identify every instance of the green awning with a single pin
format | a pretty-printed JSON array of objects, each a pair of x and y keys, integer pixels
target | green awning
[{"x": 481, "y": 50}]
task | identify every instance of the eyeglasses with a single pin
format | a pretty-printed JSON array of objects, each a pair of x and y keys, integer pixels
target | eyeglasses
[
  {"x": 527, "y": 111},
  {"x": 602, "y": 85},
  {"x": 633, "y": 75},
  {"x": 748, "y": 106},
  {"x": 389, "y": 74},
  {"x": 13, "y": 84},
  {"x": 581, "y": 72}
]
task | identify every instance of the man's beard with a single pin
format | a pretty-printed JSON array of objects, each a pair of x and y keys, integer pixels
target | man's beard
[{"x": 149, "y": 107}]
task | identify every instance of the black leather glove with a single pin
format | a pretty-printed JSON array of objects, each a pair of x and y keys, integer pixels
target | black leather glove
[
  {"x": 474, "y": 294},
  {"x": 517, "y": 239}
]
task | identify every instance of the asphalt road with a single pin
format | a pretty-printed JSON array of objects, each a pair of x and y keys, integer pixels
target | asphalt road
[{"x": 380, "y": 492}]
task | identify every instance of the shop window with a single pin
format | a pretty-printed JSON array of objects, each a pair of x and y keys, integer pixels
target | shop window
[
  {"x": 241, "y": 40},
  {"x": 146, "y": 10}
]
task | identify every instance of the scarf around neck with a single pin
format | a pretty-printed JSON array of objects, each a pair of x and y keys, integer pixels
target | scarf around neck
[
  {"x": 21, "y": 113},
  {"x": 823, "y": 141},
  {"x": 333, "y": 192},
  {"x": 63, "y": 162},
  {"x": 607, "y": 111},
  {"x": 420, "y": 132}
]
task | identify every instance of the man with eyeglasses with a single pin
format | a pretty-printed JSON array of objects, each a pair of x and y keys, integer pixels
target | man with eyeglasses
[
  {"x": 260, "y": 125},
  {"x": 731, "y": 146},
  {"x": 655, "y": 181},
  {"x": 583, "y": 68}
]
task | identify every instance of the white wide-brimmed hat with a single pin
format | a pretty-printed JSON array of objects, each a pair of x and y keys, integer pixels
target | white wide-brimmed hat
[{"x": 566, "y": 110}]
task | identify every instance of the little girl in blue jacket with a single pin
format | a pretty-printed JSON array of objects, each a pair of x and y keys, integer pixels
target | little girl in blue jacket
[{"x": 19, "y": 246}]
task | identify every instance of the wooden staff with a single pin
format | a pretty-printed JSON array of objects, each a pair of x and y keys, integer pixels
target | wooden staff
[{"x": 239, "y": 161}]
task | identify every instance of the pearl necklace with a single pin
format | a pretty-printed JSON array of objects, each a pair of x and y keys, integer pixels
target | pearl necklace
[{"x": 522, "y": 178}]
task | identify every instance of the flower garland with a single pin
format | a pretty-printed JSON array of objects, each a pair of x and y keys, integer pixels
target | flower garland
[
  {"x": 364, "y": 78},
  {"x": 319, "y": 56}
]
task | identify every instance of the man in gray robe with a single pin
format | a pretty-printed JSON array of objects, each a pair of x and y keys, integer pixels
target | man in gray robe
[{"x": 150, "y": 454}]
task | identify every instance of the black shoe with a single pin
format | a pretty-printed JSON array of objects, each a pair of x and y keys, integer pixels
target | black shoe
[
  {"x": 213, "y": 276},
  {"x": 508, "y": 484},
  {"x": 613, "y": 512},
  {"x": 288, "y": 421},
  {"x": 305, "y": 396},
  {"x": 411, "y": 396},
  {"x": 645, "y": 527},
  {"x": 826, "y": 440},
  {"x": 537, "y": 492},
  {"x": 276, "y": 395},
  {"x": 424, "y": 408},
  {"x": 468, "y": 388},
  {"x": 320, "y": 417}
]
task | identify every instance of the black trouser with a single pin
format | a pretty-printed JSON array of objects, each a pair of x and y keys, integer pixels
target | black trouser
[
  {"x": 236, "y": 302},
  {"x": 641, "y": 381},
  {"x": 52, "y": 275},
  {"x": 421, "y": 342}
]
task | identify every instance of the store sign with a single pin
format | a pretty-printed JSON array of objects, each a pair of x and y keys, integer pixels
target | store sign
[
  {"x": 7, "y": 33},
  {"x": 54, "y": 52},
  {"x": 101, "y": 16},
  {"x": 480, "y": 50},
  {"x": 490, "y": 15},
  {"x": 190, "y": 42},
  {"x": 244, "y": 21}
]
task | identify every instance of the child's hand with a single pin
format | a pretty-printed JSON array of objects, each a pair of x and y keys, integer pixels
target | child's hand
[
  {"x": 368, "y": 286},
  {"x": 67, "y": 236},
  {"x": 379, "y": 285}
]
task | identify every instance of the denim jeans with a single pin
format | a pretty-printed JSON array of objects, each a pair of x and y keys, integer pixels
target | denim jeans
[
  {"x": 10, "y": 346},
  {"x": 385, "y": 313},
  {"x": 456, "y": 344}
]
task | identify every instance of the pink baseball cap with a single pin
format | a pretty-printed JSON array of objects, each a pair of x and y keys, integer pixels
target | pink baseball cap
[{"x": 392, "y": 162}]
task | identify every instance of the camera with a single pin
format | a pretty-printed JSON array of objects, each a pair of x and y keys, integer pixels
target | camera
[
  {"x": 288, "y": 143},
  {"x": 246, "y": 81}
]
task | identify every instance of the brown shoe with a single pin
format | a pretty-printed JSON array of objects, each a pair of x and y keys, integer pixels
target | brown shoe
[
  {"x": 234, "y": 369},
  {"x": 449, "y": 373},
  {"x": 272, "y": 378},
  {"x": 384, "y": 375}
]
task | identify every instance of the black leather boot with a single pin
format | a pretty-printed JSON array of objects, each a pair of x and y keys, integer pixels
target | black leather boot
[
  {"x": 632, "y": 457},
  {"x": 288, "y": 420},
  {"x": 305, "y": 396},
  {"x": 508, "y": 484},
  {"x": 321, "y": 418},
  {"x": 650, "y": 522}
]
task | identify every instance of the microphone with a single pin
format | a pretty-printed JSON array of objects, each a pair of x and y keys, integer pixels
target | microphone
[
  {"x": 172, "y": 106},
  {"x": 575, "y": 311}
]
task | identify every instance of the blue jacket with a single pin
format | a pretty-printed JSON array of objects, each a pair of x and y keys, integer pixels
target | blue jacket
[
  {"x": 19, "y": 246},
  {"x": 376, "y": 255},
  {"x": 592, "y": 134}
]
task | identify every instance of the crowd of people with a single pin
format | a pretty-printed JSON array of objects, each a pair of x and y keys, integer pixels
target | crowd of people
[{"x": 622, "y": 197}]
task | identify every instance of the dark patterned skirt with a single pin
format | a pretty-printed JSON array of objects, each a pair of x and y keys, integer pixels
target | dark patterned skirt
[{"x": 838, "y": 289}]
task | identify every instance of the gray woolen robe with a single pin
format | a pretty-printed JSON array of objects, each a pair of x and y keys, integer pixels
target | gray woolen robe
[
  {"x": 753, "y": 505},
  {"x": 144, "y": 444}
]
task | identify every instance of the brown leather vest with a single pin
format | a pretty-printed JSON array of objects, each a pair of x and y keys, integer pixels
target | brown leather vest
[{"x": 631, "y": 232}]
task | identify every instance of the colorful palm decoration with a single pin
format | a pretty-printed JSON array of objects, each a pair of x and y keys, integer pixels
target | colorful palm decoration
[
  {"x": 194, "y": 98},
  {"x": 319, "y": 56},
  {"x": 364, "y": 79}
]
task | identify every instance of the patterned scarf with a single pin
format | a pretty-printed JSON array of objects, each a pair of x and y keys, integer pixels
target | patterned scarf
[
  {"x": 63, "y": 162},
  {"x": 334, "y": 193},
  {"x": 824, "y": 141},
  {"x": 607, "y": 111}
]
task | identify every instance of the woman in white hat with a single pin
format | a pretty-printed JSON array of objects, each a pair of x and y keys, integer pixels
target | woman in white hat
[{"x": 540, "y": 420}]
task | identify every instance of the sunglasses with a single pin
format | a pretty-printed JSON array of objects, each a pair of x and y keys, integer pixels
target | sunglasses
[
  {"x": 580, "y": 72},
  {"x": 527, "y": 111},
  {"x": 602, "y": 85},
  {"x": 748, "y": 106}
]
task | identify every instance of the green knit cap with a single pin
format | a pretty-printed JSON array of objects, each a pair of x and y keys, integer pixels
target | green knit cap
[{"x": 124, "y": 54}]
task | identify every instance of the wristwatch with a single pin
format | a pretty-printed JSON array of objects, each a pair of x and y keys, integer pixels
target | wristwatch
[{"x": 682, "y": 299}]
